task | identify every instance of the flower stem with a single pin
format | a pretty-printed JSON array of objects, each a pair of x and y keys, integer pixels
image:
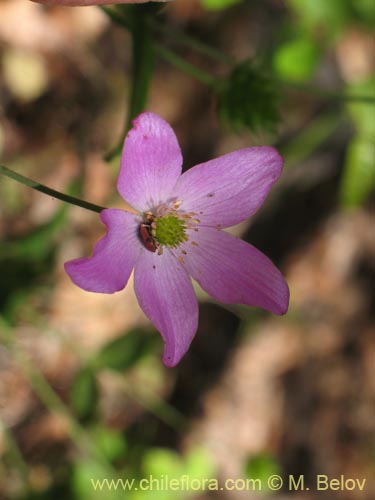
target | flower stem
[
  {"x": 165, "y": 53},
  {"x": 364, "y": 99},
  {"x": 16, "y": 454},
  {"x": 142, "y": 64},
  {"x": 115, "y": 16},
  {"x": 185, "y": 66},
  {"x": 51, "y": 192},
  {"x": 79, "y": 436},
  {"x": 193, "y": 43},
  {"x": 205, "y": 49}
]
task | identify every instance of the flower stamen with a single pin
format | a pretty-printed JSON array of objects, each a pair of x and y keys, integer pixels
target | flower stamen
[{"x": 167, "y": 226}]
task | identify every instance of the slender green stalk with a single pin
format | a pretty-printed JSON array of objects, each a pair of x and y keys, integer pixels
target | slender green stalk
[
  {"x": 146, "y": 398},
  {"x": 165, "y": 53},
  {"x": 185, "y": 66},
  {"x": 364, "y": 99},
  {"x": 51, "y": 400},
  {"x": 56, "y": 194},
  {"x": 142, "y": 64},
  {"x": 193, "y": 43},
  {"x": 115, "y": 16},
  {"x": 209, "y": 79},
  {"x": 308, "y": 138},
  {"x": 51, "y": 192},
  {"x": 155, "y": 405},
  {"x": 16, "y": 455},
  {"x": 182, "y": 38}
]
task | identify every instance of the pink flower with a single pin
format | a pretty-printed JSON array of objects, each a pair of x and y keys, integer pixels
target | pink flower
[
  {"x": 177, "y": 233},
  {"x": 93, "y": 2}
]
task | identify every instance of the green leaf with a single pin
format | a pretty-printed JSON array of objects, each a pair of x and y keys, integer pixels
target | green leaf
[
  {"x": 363, "y": 115},
  {"x": 365, "y": 9},
  {"x": 359, "y": 172},
  {"x": 87, "y": 482},
  {"x": 296, "y": 60},
  {"x": 111, "y": 442},
  {"x": 26, "y": 262},
  {"x": 248, "y": 99},
  {"x": 310, "y": 139},
  {"x": 261, "y": 467},
  {"x": 329, "y": 15},
  {"x": 199, "y": 464},
  {"x": 164, "y": 465},
  {"x": 84, "y": 393},
  {"x": 124, "y": 352},
  {"x": 142, "y": 60},
  {"x": 218, "y": 4},
  {"x": 161, "y": 461},
  {"x": 37, "y": 244}
]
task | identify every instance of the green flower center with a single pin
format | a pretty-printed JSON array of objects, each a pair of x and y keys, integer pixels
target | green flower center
[{"x": 169, "y": 230}]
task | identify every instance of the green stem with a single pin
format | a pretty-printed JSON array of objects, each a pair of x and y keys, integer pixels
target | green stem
[
  {"x": 182, "y": 38},
  {"x": 79, "y": 436},
  {"x": 165, "y": 53},
  {"x": 185, "y": 66},
  {"x": 16, "y": 454},
  {"x": 115, "y": 16},
  {"x": 156, "y": 405},
  {"x": 203, "y": 48},
  {"x": 143, "y": 396},
  {"x": 142, "y": 64},
  {"x": 193, "y": 43},
  {"x": 51, "y": 192},
  {"x": 301, "y": 87}
]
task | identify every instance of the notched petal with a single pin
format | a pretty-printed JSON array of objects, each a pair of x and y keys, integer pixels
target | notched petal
[
  {"x": 166, "y": 296},
  {"x": 151, "y": 163},
  {"x": 114, "y": 256}
]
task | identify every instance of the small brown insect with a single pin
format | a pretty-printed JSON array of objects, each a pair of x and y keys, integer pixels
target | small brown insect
[{"x": 147, "y": 239}]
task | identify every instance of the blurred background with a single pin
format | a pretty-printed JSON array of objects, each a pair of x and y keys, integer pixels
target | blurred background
[{"x": 83, "y": 392}]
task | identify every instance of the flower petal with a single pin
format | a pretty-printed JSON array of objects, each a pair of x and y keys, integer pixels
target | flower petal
[
  {"x": 114, "y": 256},
  {"x": 166, "y": 295},
  {"x": 231, "y": 188},
  {"x": 234, "y": 272},
  {"x": 150, "y": 164}
]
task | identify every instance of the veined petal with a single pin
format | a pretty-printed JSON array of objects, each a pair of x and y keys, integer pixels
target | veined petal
[
  {"x": 151, "y": 162},
  {"x": 114, "y": 256},
  {"x": 166, "y": 295},
  {"x": 231, "y": 188},
  {"x": 234, "y": 272}
]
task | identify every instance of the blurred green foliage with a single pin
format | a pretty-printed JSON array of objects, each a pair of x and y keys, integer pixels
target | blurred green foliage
[
  {"x": 296, "y": 60},
  {"x": 86, "y": 471},
  {"x": 262, "y": 467},
  {"x": 330, "y": 16},
  {"x": 84, "y": 393},
  {"x": 124, "y": 352},
  {"x": 166, "y": 464},
  {"x": 359, "y": 174},
  {"x": 27, "y": 260},
  {"x": 359, "y": 170},
  {"x": 218, "y": 4},
  {"x": 111, "y": 442},
  {"x": 248, "y": 98}
]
